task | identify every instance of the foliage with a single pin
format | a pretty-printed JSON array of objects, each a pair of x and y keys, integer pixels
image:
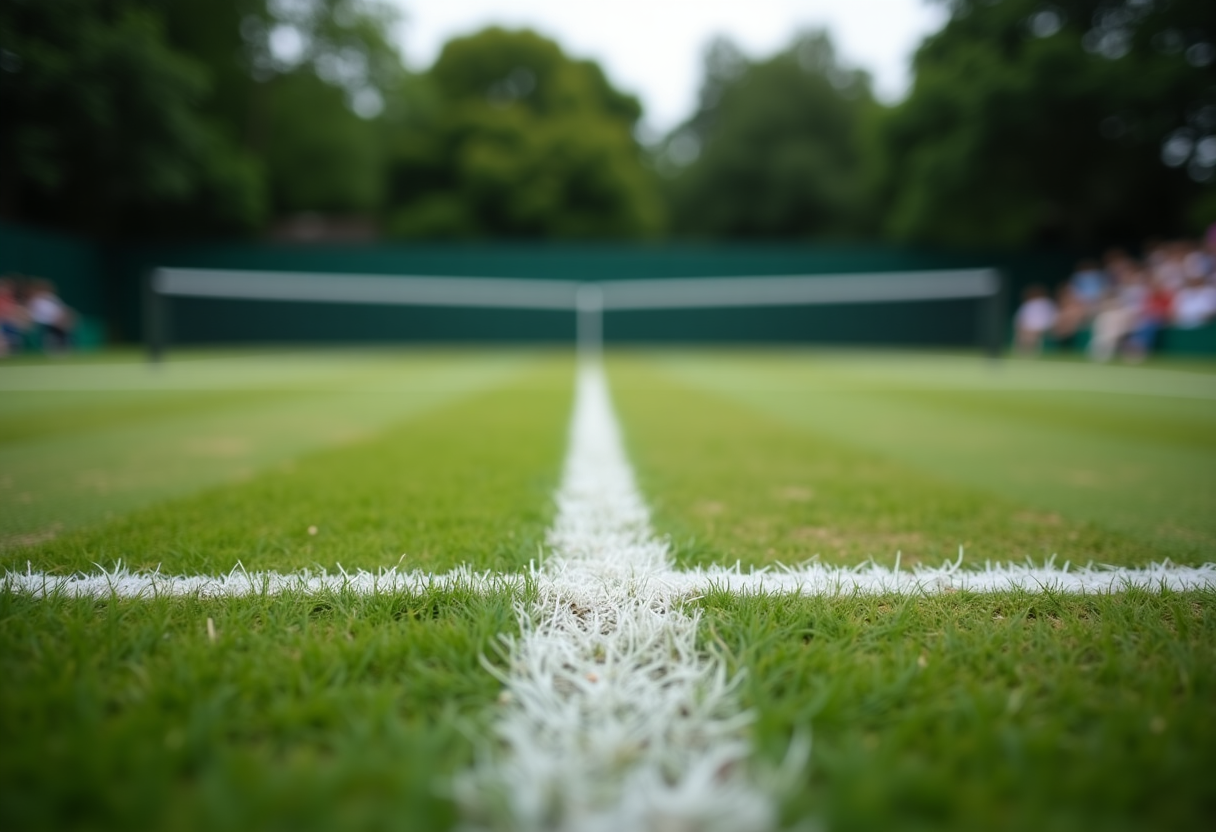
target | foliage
[
  {"x": 777, "y": 147},
  {"x": 187, "y": 116},
  {"x": 1030, "y": 122},
  {"x": 101, "y": 120},
  {"x": 521, "y": 140},
  {"x": 1077, "y": 121},
  {"x": 320, "y": 156}
]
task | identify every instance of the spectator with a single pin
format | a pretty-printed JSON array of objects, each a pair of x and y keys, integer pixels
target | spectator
[
  {"x": 1171, "y": 272},
  {"x": 52, "y": 317},
  {"x": 1072, "y": 315},
  {"x": 1195, "y": 304},
  {"x": 14, "y": 320},
  {"x": 1035, "y": 318},
  {"x": 1197, "y": 263},
  {"x": 1173, "y": 286},
  {"x": 1113, "y": 322},
  {"x": 1154, "y": 312},
  {"x": 1088, "y": 283}
]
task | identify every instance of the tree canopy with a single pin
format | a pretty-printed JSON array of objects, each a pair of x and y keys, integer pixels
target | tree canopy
[
  {"x": 521, "y": 141},
  {"x": 777, "y": 147},
  {"x": 101, "y": 118},
  {"x": 1029, "y": 122},
  {"x": 1076, "y": 121},
  {"x": 190, "y": 116}
]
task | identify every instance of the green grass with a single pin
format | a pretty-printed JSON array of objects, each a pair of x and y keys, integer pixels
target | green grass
[
  {"x": 329, "y": 712},
  {"x": 1006, "y": 711},
  {"x": 83, "y": 442},
  {"x": 1010, "y": 711},
  {"x": 768, "y": 457},
  {"x": 390, "y": 468},
  {"x": 319, "y": 712}
]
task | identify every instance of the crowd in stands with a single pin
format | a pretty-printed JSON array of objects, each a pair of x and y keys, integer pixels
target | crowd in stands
[
  {"x": 1119, "y": 306},
  {"x": 32, "y": 317}
]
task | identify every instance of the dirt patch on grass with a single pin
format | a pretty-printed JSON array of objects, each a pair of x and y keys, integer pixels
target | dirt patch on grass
[
  {"x": 1039, "y": 518},
  {"x": 34, "y": 538},
  {"x": 219, "y": 446},
  {"x": 795, "y": 494}
]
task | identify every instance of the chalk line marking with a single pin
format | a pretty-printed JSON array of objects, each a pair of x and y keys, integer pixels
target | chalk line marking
[
  {"x": 612, "y": 718},
  {"x": 809, "y": 579}
]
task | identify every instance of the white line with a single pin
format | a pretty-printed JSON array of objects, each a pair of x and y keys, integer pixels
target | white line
[
  {"x": 307, "y": 287},
  {"x": 811, "y": 579},
  {"x": 123, "y": 583},
  {"x": 614, "y": 719}
]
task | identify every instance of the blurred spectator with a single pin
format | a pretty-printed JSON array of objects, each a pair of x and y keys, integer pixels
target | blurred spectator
[
  {"x": 1197, "y": 262},
  {"x": 51, "y": 316},
  {"x": 1119, "y": 267},
  {"x": 14, "y": 320},
  {"x": 1111, "y": 324},
  {"x": 1195, "y": 303},
  {"x": 1124, "y": 305},
  {"x": 1035, "y": 317},
  {"x": 1072, "y": 315},
  {"x": 1155, "y": 308},
  {"x": 1168, "y": 266},
  {"x": 1088, "y": 283}
]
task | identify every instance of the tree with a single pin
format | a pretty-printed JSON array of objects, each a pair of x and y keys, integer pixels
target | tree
[
  {"x": 302, "y": 86},
  {"x": 192, "y": 116},
  {"x": 319, "y": 156},
  {"x": 100, "y": 120},
  {"x": 776, "y": 147},
  {"x": 519, "y": 140},
  {"x": 1076, "y": 121}
]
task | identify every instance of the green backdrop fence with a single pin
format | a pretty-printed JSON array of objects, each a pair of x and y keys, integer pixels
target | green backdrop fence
[{"x": 105, "y": 282}]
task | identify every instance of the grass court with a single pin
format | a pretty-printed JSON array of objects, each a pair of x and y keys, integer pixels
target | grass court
[{"x": 1012, "y": 710}]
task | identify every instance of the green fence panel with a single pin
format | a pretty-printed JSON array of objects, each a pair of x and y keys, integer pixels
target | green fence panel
[
  {"x": 110, "y": 280},
  {"x": 1197, "y": 341}
]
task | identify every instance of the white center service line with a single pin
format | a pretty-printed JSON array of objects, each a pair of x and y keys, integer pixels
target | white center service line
[{"x": 613, "y": 719}]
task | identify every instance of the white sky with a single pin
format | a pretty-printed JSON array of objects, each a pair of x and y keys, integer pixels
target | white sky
[{"x": 652, "y": 48}]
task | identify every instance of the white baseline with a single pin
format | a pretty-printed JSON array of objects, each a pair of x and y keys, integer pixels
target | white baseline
[{"x": 808, "y": 579}]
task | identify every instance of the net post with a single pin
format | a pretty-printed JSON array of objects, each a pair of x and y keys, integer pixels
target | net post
[
  {"x": 992, "y": 316},
  {"x": 589, "y": 308},
  {"x": 156, "y": 317}
]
